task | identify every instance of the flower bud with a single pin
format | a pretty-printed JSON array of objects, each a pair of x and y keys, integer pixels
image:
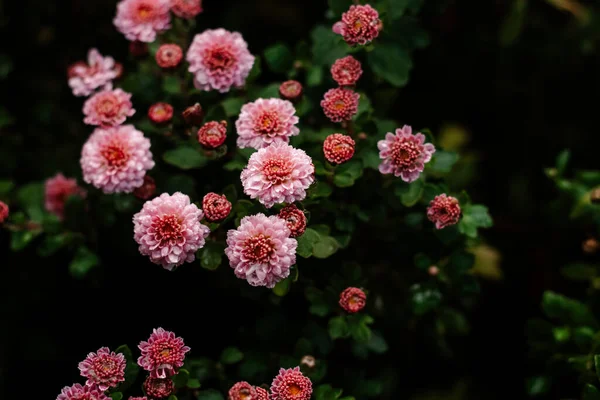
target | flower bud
[
  {"x": 291, "y": 90},
  {"x": 590, "y": 246},
  {"x": 193, "y": 115},
  {"x": 595, "y": 195},
  {"x": 308, "y": 361}
]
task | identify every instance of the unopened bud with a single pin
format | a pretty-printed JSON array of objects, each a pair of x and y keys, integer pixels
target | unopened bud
[
  {"x": 362, "y": 136},
  {"x": 590, "y": 246},
  {"x": 119, "y": 69},
  {"x": 308, "y": 361},
  {"x": 193, "y": 115},
  {"x": 433, "y": 270},
  {"x": 291, "y": 90},
  {"x": 595, "y": 195}
]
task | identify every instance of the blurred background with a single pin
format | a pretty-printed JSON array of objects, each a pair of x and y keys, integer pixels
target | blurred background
[{"x": 509, "y": 80}]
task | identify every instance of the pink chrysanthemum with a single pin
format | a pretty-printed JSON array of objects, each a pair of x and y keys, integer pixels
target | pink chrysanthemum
[
  {"x": 141, "y": 20},
  {"x": 346, "y": 71},
  {"x": 160, "y": 113},
  {"x": 169, "y": 231},
  {"x": 4, "y": 212},
  {"x": 340, "y": 104},
  {"x": 216, "y": 207},
  {"x": 353, "y": 299},
  {"x": 108, "y": 108},
  {"x": 116, "y": 159},
  {"x": 219, "y": 59},
  {"x": 291, "y": 384},
  {"x": 56, "y": 192},
  {"x": 444, "y": 211},
  {"x": 277, "y": 174},
  {"x": 291, "y": 90},
  {"x": 162, "y": 354},
  {"x": 79, "y": 392},
  {"x": 85, "y": 78},
  {"x": 147, "y": 189},
  {"x": 242, "y": 391},
  {"x": 359, "y": 25},
  {"x": 260, "y": 250},
  {"x": 266, "y": 121},
  {"x": 261, "y": 394},
  {"x": 186, "y": 8},
  {"x": 212, "y": 134},
  {"x": 404, "y": 154},
  {"x": 104, "y": 368},
  {"x": 158, "y": 388},
  {"x": 338, "y": 148},
  {"x": 294, "y": 218},
  {"x": 169, "y": 55}
]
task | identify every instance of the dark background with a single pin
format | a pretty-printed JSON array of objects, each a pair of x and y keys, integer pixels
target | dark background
[{"x": 522, "y": 104}]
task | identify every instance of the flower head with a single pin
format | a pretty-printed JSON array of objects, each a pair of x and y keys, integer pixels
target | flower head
[
  {"x": 4, "y": 212},
  {"x": 404, "y": 154},
  {"x": 338, "y": 148},
  {"x": 353, "y": 299},
  {"x": 278, "y": 173},
  {"x": 160, "y": 113},
  {"x": 108, "y": 108},
  {"x": 116, "y": 159},
  {"x": 104, "y": 368},
  {"x": 266, "y": 121},
  {"x": 169, "y": 231},
  {"x": 340, "y": 104},
  {"x": 359, "y": 25},
  {"x": 219, "y": 59},
  {"x": 346, "y": 71},
  {"x": 291, "y": 384},
  {"x": 56, "y": 192},
  {"x": 242, "y": 391},
  {"x": 290, "y": 90},
  {"x": 158, "y": 388},
  {"x": 294, "y": 218},
  {"x": 216, "y": 207},
  {"x": 261, "y": 394},
  {"x": 212, "y": 134},
  {"x": 85, "y": 78},
  {"x": 79, "y": 392},
  {"x": 141, "y": 20},
  {"x": 260, "y": 250},
  {"x": 193, "y": 115},
  {"x": 444, "y": 211},
  {"x": 169, "y": 55},
  {"x": 162, "y": 354},
  {"x": 186, "y": 8},
  {"x": 147, "y": 189}
]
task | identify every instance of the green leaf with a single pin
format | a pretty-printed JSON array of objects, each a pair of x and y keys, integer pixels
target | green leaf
[
  {"x": 390, "y": 62},
  {"x": 314, "y": 76},
  {"x": 193, "y": 383},
  {"x": 31, "y": 199},
  {"x": 231, "y": 355},
  {"x": 172, "y": 397},
  {"x": 474, "y": 216},
  {"x": 410, "y": 193},
  {"x": 185, "y": 157},
  {"x": 181, "y": 378},
  {"x": 562, "y": 160},
  {"x": 513, "y": 23},
  {"x": 327, "y": 46},
  {"x": 131, "y": 368},
  {"x": 320, "y": 189},
  {"x": 209, "y": 394},
  {"x": 20, "y": 239},
  {"x": 116, "y": 396},
  {"x": 6, "y": 186},
  {"x": 283, "y": 287},
  {"x": 211, "y": 255},
  {"x": 232, "y": 106},
  {"x": 255, "y": 71},
  {"x": 325, "y": 247},
  {"x": 597, "y": 365},
  {"x": 377, "y": 344},
  {"x": 443, "y": 161},
  {"x": 590, "y": 392},
  {"x": 53, "y": 242},
  {"x": 567, "y": 310},
  {"x": 579, "y": 272},
  {"x": 358, "y": 326},
  {"x": 424, "y": 299},
  {"x": 279, "y": 58},
  {"x": 538, "y": 385},
  {"x": 338, "y": 328},
  {"x": 347, "y": 173},
  {"x": 83, "y": 262},
  {"x": 171, "y": 84},
  {"x": 306, "y": 242}
]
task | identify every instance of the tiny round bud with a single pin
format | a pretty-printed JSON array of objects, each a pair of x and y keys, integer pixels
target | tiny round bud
[
  {"x": 298, "y": 64},
  {"x": 169, "y": 55},
  {"x": 216, "y": 207},
  {"x": 433, "y": 270},
  {"x": 590, "y": 246},
  {"x": 138, "y": 49},
  {"x": 4, "y": 211},
  {"x": 595, "y": 195},
  {"x": 160, "y": 113},
  {"x": 213, "y": 134},
  {"x": 193, "y": 115},
  {"x": 290, "y": 90},
  {"x": 338, "y": 148},
  {"x": 119, "y": 69},
  {"x": 294, "y": 218},
  {"x": 147, "y": 189},
  {"x": 353, "y": 299},
  {"x": 308, "y": 361},
  {"x": 362, "y": 136}
]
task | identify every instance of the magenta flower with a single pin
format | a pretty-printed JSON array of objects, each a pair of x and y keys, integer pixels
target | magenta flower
[
  {"x": 260, "y": 250},
  {"x": 186, "y": 8},
  {"x": 56, "y": 192},
  {"x": 444, "y": 211},
  {"x": 266, "y": 121},
  {"x": 158, "y": 388},
  {"x": 340, "y": 104},
  {"x": 104, "y": 368},
  {"x": 261, "y": 394},
  {"x": 216, "y": 207},
  {"x": 291, "y": 90},
  {"x": 168, "y": 230},
  {"x": 242, "y": 391},
  {"x": 141, "y": 20},
  {"x": 338, "y": 148},
  {"x": 169, "y": 55},
  {"x": 78, "y": 392},
  {"x": 160, "y": 113},
  {"x": 116, "y": 159},
  {"x": 162, "y": 354},
  {"x": 85, "y": 78},
  {"x": 404, "y": 154},
  {"x": 353, "y": 299},
  {"x": 278, "y": 173},
  {"x": 346, "y": 71},
  {"x": 291, "y": 384},
  {"x": 108, "y": 108},
  {"x": 294, "y": 218},
  {"x": 359, "y": 25},
  {"x": 212, "y": 134},
  {"x": 4, "y": 212},
  {"x": 219, "y": 59}
]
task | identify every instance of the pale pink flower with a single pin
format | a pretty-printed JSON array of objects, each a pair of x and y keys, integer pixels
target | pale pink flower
[
  {"x": 108, "y": 108},
  {"x": 104, "y": 368},
  {"x": 79, "y": 392},
  {"x": 291, "y": 384},
  {"x": 162, "y": 354},
  {"x": 444, "y": 211},
  {"x": 266, "y": 121},
  {"x": 219, "y": 59},
  {"x": 85, "y": 78},
  {"x": 158, "y": 388},
  {"x": 404, "y": 154},
  {"x": 141, "y": 20},
  {"x": 338, "y": 148},
  {"x": 278, "y": 173},
  {"x": 340, "y": 104},
  {"x": 56, "y": 192},
  {"x": 260, "y": 250},
  {"x": 242, "y": 391},
  {"x": 353, "y": 299},
  {"x": 261, "y": 394},
  {"x": 186, "y": 8},
  {"x": 116, "y": 159},
  {"x": 346, "y": 71},
  {"x": 168, "y": 230},
  {"x": 359, "y": 25}
]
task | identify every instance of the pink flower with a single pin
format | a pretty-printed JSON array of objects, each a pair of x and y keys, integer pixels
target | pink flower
[
  {"x": 162, "y": 354},
  {"x": 85, "y": 78},
  {"x": 242, "y": 391},
  {"x": 216, "y": 207},
  {"x": 278, "y": 173},
  {"x": 108, "y": 108},
  {"x": 261, "y": 394},
  {"x": 57, "y": 190},
  {"x": 78, "y": 392},
  {"x": 266, "y": 121},
  {"x": 4, "y": 211},
  {"x": 104, "y": 368},
  {"x": 290, "y": 90},
  {"x": 141, "y": 20},
  {"x": 186, "y": 8},
  {"x": 359, "y": 25},
  {"x": 346, "y": 71},
  {"x": 404, "y": 154},
  {"x": 219, "y": 59},
  {"x": 291, "y": 384},
  {"x": 116, "y": 159},
  {"x": 294, "y": 218},
  {"x": 158, "y": 388},
  {"x": 260, "y": 250},
  {"x": 169, "y": 231},
  {"x": 212, "y": 134},
  {"x": 340, "y": 104},
  {"x": 444, "y": 211},
  {"x": 338, "y": 148},
  {"x": 160, "y": 113},
  {"x": 353, "y": 299},
  {"x": 169, "y": 55},
  {"x": 147, "y": 189}
]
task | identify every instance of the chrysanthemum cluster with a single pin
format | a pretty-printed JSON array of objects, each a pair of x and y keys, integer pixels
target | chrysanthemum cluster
[{"x": 289, "y": 384}]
